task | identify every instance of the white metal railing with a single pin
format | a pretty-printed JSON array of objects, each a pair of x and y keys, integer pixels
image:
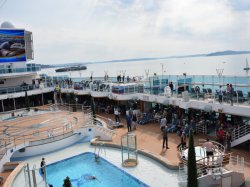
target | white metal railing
[
  {"x": 240, "y": 131},
  {"x": 237, "y": 164},
  {"x": 217, "y": 145},
  {"x": 206, "y": 165},
  {"x": 201, "y": 128},
  {"x": 33, "y": 176},
  {"x": 37, "y": 137},
  {"x": 106, "y": 131},
  {"x": 51, "y": 139}
]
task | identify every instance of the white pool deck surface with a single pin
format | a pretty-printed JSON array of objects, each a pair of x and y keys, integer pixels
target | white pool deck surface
[{"x": 148, "y": 171}]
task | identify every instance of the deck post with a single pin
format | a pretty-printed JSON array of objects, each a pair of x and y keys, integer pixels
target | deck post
[
  {"x": 28, "y": 171},
  {"x": 2, "y": 105},
  {"x": 42, "y": 99},
  {"x": 14, "y": 103}
]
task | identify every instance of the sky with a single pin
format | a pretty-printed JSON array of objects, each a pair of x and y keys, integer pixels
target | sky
[{"x": 67, "y": 31}]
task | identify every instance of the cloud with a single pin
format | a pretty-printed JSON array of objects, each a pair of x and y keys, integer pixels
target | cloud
[{"x": 90, "y": 30}]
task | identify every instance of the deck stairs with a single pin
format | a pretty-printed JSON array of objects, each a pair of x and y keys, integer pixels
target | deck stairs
[{"x": 240, "y": 135}]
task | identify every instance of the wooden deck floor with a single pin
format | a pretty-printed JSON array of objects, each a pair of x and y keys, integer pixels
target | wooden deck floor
[{"x": 149, "y": 137}]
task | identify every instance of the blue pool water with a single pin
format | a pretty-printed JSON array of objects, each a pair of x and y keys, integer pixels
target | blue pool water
[{"x": 80, "y": 167}]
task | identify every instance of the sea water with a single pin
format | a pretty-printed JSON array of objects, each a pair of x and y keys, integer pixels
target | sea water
[
  {"x": 202, "y": 70},
  {"x": 231, "y": 64}
]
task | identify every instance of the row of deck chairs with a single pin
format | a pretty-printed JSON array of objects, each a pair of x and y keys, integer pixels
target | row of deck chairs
[
  {"x": 207, "y": 92},
  {"x": 146, "y": 118},
  {"x": 237, "y": 93}
]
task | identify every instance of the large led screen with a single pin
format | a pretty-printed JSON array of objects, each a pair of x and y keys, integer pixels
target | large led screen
[{"x": 12, "y": 46}]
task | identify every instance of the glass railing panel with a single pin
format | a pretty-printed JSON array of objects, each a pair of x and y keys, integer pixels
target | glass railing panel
[{"x": 20, "y": 70}]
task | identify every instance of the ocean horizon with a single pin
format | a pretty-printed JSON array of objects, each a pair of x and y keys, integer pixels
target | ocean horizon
[{"x": 232, "y": 65}]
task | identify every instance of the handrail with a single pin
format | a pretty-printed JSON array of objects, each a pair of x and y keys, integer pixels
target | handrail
[
  {"x": 20, "y": 70},
  {"x": 49, "y": 134},
  {"x": 218, "y": 145},
  {"x": 240, "y": 131}
]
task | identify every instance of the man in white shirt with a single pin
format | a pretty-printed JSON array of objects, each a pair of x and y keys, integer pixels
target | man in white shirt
[
  {"x": 163, "y": 123},
  {"x": 116, "y": 112}
]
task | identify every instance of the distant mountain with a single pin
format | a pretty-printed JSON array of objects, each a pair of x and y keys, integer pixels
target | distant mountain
[
  {"x": 219, "y": 53},
  {"x": 228, "y": 52}
]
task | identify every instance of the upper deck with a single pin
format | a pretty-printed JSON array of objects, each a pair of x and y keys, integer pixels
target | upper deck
[{"x": 201, "y": 91}]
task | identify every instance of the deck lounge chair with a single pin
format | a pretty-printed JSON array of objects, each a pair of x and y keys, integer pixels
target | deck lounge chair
[
  {"x": 193, "y": 93},
  {"x": 113, "y": 124},
  {"x": 241, "y": 96}
]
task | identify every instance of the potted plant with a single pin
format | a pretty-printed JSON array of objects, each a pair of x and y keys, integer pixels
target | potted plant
[
  {"x": 192, "y": 169},
  {"x": 66, "y": 182}
]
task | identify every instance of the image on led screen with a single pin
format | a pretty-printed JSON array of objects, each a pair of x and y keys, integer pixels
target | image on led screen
[{"x": 12, "y": 46}]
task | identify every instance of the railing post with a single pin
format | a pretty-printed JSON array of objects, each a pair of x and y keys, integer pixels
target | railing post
[
  {"x": 233, "y": 135},
  {"x": 28, "y": 170},
  {"x": 15, "y": 141},
  {"x": 245, "y": 130},
  {"x": 237, "y": 161},
  {"x": 5, "y": 147},
  {"x": 237, "y": 97},
  {"x": 242, "y": 164},
  {"x": 34, "y": 178}
]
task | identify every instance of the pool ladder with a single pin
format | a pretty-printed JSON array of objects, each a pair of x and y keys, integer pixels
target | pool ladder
[{"x": 99, "y": 148}]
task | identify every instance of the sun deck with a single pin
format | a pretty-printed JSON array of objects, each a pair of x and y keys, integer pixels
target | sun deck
[{"x": 149, "y": 137}]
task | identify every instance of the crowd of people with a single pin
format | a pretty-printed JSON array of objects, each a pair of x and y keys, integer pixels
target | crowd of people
[
  {"x": 228, "y": 93},
  {"x": 180, "y": 121}
]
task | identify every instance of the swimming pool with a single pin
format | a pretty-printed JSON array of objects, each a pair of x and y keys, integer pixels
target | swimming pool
[
  {"x": 81, "y": 167},
  {"x": 148, "y": 170}
]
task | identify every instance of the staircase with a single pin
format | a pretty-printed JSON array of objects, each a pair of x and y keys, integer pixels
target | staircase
[{"x": 240, "y": 135}]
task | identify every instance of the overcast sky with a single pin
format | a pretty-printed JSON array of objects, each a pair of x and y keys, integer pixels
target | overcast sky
[{"x": 95, "y": 30}]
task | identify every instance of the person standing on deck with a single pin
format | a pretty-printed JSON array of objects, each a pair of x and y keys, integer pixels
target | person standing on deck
[
  {"x": 220, "y": 94},
  {"x": 43, "y": 165},
  {"x": 231, "y": 94},
  {"x": 163, "y": 123},
  {"x": 228, "y": 139},
  {"x": 165, "y": 137},
  {"x": 134, "y": 119},
  {"x": 171, "y": 87},
  {"x": 220, "y": 135},
  {"x": 183, "y": 143},
  {"x": 116, "y": 112},
  {"x": 129, "y": 121}
]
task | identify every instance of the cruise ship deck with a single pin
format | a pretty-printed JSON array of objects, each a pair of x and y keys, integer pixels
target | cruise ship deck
[{"x": 149, "y": 136}]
